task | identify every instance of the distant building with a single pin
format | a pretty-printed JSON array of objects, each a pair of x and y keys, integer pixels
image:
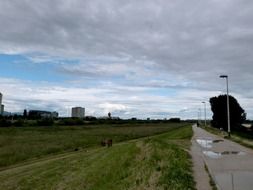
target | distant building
[
  {"x": 5, "y": 113},
  {"x": 1, "y": 105},
  {"x": 42, "y": 114},
  {"x": 1, "y": 97},
  {"x": 78, "y": 112},
  {"x": 115, "y": 118},
  {"x": 2, "y": 110},
  {"x": 103, "y": 118},
  {"x": 54, "y": 114}
]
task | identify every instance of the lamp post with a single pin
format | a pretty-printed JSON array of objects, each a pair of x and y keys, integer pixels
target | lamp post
[
  {"x": 226, "y": 77},
  {"x": 205, "y": 111},
  {"x": 198, "y": 117}
]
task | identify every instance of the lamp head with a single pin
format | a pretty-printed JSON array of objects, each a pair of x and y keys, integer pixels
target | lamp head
[{"x": 223, "y": 76}]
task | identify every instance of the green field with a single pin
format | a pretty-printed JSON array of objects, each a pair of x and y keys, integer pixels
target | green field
[
  {"x": 153, "y": 162},
  {"x": 23, "y": 143}
]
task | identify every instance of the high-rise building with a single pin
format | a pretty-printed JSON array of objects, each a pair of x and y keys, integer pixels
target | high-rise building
[
  {"x": 1, "y": 107},
  {"x": 1, "y": 96},
  {"x": 78, "y": 112}
]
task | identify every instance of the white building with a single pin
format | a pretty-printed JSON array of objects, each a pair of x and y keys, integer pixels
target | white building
[
  {"x": 78, "y": 112},
  {"x": 54, "y": 114}
]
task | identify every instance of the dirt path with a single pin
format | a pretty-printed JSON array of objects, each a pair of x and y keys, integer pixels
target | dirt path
[
  {"x": 230, "y": 164},
  {"x": 200, "y": 174},
  {"x": 38, "y": 162}
]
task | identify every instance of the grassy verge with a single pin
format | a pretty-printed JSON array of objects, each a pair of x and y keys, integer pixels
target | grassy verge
[
  {"x": 211, "y": 181},
  {"x": 239, "y": 137},
  {"x": 157, "y": 162},
  {"x": 18, "y": 144}
]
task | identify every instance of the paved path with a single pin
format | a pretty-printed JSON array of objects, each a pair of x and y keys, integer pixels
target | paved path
[
  {"x": 230, "y": 164},
  {"x": 200, "y": 175}
]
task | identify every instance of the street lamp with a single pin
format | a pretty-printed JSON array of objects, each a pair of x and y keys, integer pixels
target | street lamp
[
  {"x": 198, "y": 116},
  {"x": 205, "y": 111},
  {"x": 225, "y": 76}
]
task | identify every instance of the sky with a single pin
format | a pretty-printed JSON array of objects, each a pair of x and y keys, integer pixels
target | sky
[{"x": 156, "y": 59}]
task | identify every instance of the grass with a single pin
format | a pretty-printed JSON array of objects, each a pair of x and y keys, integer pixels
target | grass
[
  {"x": 18, "y": 144},
  {"x": 236, "y": 136},
  {"x": 154, "y": 162}
]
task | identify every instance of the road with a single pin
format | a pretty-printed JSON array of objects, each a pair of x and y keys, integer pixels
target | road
[{"x": 230, "y": 164}]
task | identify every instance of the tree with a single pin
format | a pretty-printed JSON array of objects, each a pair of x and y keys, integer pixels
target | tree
[
  {"x": 109, "y": 115},
  {"x": 219, "y": 109}
]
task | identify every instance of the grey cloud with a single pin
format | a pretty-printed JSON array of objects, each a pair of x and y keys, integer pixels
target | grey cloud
[{"x": 193, "y": 41}]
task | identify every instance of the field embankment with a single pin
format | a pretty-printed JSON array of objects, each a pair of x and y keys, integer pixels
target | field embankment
[
  {"x": 18, "y": 144},
  {"x": 155, "y": 162}
]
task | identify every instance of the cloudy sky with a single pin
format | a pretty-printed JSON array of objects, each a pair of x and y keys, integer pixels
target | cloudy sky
[{"x": 134, "y": 58}]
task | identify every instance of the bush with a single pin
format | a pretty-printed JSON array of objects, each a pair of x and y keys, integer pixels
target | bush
[
  {"x": 175, "y": 120},
  {"x": 71, "y": 121},
  {"x": 19, "y": 123},
  {"x": 5, "y": 123},
  {"x": 45, "y": 122}
]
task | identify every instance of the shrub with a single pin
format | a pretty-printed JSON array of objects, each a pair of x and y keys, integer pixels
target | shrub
[
  {"x": 45, "y": 122},
  {"x": 5, "y": 122}
]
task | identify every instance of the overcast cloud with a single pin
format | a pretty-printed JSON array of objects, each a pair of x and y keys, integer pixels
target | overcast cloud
[{"x": 134, "y": 58}]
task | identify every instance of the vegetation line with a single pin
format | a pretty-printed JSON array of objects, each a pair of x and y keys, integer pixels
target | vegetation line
[
  {"x": 235, "y": 136},
  {"x": 211, "y": 180}
]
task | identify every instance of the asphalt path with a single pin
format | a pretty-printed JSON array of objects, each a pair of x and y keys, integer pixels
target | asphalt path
[{"x": 230, "y": 164}]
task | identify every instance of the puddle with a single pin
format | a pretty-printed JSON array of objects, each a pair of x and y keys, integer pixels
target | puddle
[
  {"x": 207, "y": 143},
  {"x": 212, "y": 154}
]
